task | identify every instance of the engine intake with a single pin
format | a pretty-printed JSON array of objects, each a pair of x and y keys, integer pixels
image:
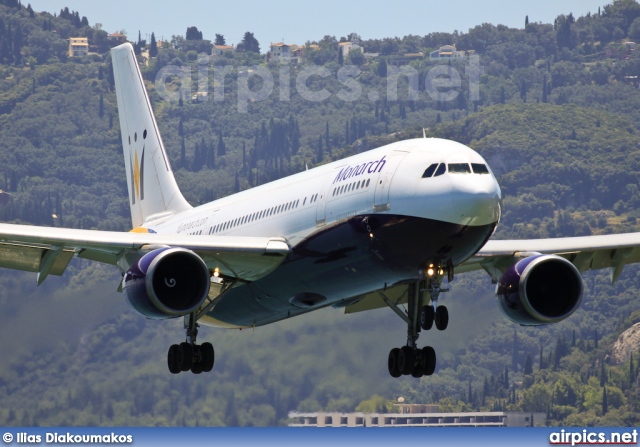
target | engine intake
[
  {"x": 540, "y": 290},
  {"x": 167, "y": 283}
]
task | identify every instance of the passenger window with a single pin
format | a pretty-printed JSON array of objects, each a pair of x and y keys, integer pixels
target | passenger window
[
  {"x": 459, "y": 168},
  {"x": 479, "y": 168},
  {"x": 442, "y": 168},
  {"x": 430, "y": 170}
]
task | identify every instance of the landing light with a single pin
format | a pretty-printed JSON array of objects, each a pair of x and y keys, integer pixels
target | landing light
[
  {"x": 371, "y": 235},
  {"x": 216, "y": 272},
  {"x": 430, "y": 272}
]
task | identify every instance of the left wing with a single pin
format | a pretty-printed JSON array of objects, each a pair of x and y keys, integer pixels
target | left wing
[
  {"x": 48, "y": 250},
  {"x": 585, "y": 252}
]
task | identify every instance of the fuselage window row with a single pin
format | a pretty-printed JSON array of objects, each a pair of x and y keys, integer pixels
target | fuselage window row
[
  {"x": 257, "y": 216},
  {"x": 351, "y": 187}
]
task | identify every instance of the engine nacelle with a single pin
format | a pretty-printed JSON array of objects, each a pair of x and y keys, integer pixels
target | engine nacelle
[
  {"x": 167, "y": 283},
  {"x": 539, "y": 290}
]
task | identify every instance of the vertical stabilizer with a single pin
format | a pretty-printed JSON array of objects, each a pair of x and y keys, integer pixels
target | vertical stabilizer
[{"x": 152, "y": 186}]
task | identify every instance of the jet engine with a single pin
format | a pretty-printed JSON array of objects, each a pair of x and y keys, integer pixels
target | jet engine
[
  {"x": 167, "y": 283},
  {"x": 538, "y": 290}
]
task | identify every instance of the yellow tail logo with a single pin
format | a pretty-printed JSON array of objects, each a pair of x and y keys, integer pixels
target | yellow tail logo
[{"x": 137, "y": 176}]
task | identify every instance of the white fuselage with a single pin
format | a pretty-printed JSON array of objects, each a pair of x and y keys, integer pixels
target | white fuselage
[{"x": 384, "y": 180}]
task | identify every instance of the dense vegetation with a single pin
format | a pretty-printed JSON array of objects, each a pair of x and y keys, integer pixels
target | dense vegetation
[{"x": 557, "y": 119}]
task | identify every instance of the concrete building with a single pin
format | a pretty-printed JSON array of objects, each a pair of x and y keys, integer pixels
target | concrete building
[
  {"x": 425, "y": 419},
  {"x": 78, "y": 46},
  {"x": 345, "y": 47},
  {"x": 447, "y": 52},
  {"x": 282, "y": 52}
]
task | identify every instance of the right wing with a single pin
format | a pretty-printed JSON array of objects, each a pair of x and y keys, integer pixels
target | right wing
[{"x": 48, "y": 250}]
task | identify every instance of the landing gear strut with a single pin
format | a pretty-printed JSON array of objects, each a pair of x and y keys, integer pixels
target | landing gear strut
[
  {"x": 188, "y": 355},
  {"x": 411, "y": 360}
]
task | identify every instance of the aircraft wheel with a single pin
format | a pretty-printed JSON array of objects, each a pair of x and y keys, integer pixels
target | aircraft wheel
[
  {"x": 405, "y": 360},
  {"x": 172, "y": 359},
  {"x": 207, "y": 357},
  {"x": 185, "y": 356},
  {"x": 392, "y": 363},
  {"x": 442, "y": 318},
  {"x": 429, "y": 359},
  {"x": 426, "y": 317}
]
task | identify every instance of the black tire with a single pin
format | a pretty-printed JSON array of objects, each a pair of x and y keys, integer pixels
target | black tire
[
  {"x": 392, "y": 363},
  {"x": 429, "y": 359},
  {"x": 442, "y": 318},
  {"x": 418, "y": 371},
  {"x": 426, "y": 317},
  {"x": 172, "y": 360},
  {"x": 405, "y": 360},
  {"x": 207, "y": 357},
  {"x": 196, "y": 368},
  {"x": 185, "y": 356}
]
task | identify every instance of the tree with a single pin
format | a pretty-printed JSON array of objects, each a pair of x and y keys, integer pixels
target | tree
[
  {"x": 605, "y": 404},
  {"x": 193, "y": 33},
  {"x": 526, "y": 22},
  {"x": 100, "y": 106},
  {"x": 528, "y": 365},
  {"x": 222, "y": 148},
  {"x": 219, "y": 40},
  {"x": 249, "y": 43},
  {"x": 153, "y": 46},
  {"x": 319, "y": 150}
]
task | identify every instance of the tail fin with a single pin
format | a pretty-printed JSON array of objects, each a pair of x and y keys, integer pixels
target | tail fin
[{"x": 152, "y": 187}]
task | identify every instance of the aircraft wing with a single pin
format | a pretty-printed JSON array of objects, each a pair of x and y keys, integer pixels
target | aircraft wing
[
  {"x": 48, "y": 250},
  {"x": 585, "y": 252}
]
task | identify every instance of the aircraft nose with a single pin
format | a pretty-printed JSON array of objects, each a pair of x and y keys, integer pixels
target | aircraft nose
[{"x": 478, "y": 201}]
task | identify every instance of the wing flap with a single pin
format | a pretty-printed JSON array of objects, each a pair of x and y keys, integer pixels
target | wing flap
[{"x": 29, "y": 258}]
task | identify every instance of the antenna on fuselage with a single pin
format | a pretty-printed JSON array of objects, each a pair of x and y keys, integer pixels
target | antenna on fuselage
[{"x": 424, "y": 133}]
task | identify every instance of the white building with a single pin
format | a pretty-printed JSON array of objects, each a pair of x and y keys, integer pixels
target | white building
[
  {"x": 447, "y": 52},
  {"x": 478, "y": 419}
]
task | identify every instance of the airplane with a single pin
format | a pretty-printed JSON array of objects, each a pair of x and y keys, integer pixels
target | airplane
[{"x": 384, "y": 228}]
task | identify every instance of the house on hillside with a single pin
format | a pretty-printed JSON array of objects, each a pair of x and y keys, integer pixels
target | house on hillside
[
  {"x": 447, "y": 52},
  {"x": 78, "y": 46},
  {"x": 116, "y": 38},
  {"x": 220, "y": 50},
  {"x": 345, "y": 47},
  {"x": 282, "y": 52}
]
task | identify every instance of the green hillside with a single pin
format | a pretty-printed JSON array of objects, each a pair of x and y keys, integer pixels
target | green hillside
[{"x": 557, "y": 120}]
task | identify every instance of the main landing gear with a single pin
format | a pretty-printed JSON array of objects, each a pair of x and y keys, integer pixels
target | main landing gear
[
  {"x": 409, "y": 359},
  {"x": 188, "y": 355}
]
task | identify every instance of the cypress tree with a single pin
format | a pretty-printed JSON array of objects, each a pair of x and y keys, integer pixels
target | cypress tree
[
  {"x": 222, "y": 148},
  {"x": 319, "y": 150},
  {"x": 100, "y": 104},
  {"x": 153, "y": 46},
  {"x": 528, "y": 365},
  {"x": 605, "y": 403}
]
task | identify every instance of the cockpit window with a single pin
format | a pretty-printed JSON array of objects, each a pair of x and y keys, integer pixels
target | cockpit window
[
  {"x": 479, "y": 168},
  {"x": 459, "y": 168},
  {"x": 441, "y": 170},
  {"x": 430, "y": 170}
]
